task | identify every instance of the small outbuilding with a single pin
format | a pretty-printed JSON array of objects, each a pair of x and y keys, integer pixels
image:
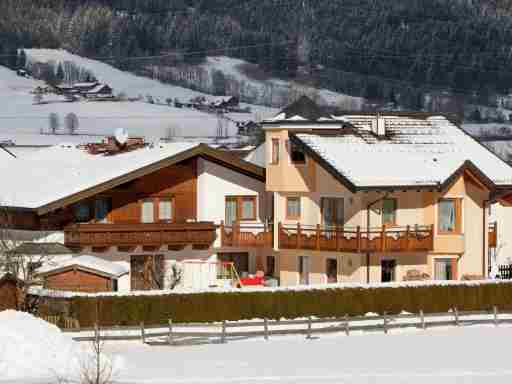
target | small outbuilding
[
  {"x": 10, "y": 293},
  {"x": 83, "y": 274}
]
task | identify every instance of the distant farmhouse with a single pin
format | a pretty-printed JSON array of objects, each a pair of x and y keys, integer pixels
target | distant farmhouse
[{"x": 89, "y": 90}]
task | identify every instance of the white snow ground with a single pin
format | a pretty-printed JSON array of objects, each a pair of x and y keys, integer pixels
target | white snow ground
[
  {"x": 456, "y": 355},
  {"x": 475, "y": 355}
]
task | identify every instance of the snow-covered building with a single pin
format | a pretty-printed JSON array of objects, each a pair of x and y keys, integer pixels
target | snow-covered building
[
  {"x": 378, "y": 197},
  {"x": 149, "y": 207}
]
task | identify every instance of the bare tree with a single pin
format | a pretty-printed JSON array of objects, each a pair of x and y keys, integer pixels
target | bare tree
[
  {"x": 54, "y": 122},
  {"x": 174, "y": 276},
  {"x": 19, "y": 262},
  {"x": 71, "y": 122},
  {"x": 96, "y": 367}
]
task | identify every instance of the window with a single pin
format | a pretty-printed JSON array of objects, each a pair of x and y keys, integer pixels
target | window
[
  {"x": 165, "y": 212},
  {"x": 240, "y": 208},
  {"x": 449, "y": 216},
  {"x": 293, "y": 208},
  {"x": 148, "y": 211},
  {"x": 275, "y": 151},
  {"x": 444, "y": 269},
  {"x": 248, "y": 208},
  {"x": 332, "y": 211},
  {"x": 389, "y": 212},
  {"x": 297, "y": 155},
  {"x": 387, "y": 270},
  {"x": 303, "y": 270},
  {"x": 271, "y": 265},
  {"x": 331, "y": 269},
  {"x": 82, "y": 212},
  {"x": 102, "y": 207}
]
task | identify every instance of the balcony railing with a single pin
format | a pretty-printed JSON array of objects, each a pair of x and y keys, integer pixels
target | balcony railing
[
  {"x": 253, "y": 235},
  {"x": 384, "y": 239},
  {"x": 493, "y": 235},
  {"x": 139, "y": 234}
]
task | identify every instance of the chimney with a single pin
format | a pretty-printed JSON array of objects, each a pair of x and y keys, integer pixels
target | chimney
[{"x": 379, "y": 126}]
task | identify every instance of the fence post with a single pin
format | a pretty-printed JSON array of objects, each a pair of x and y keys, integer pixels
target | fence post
[
  {"x": 170, "y": 338},
  {"x": 309, "y": 328},
  {"x": 223, "y": 334},
  {"x": 347, "y": 326},
  {"x": 142, "y": 333},
  {"x": 96, "y": 334},
  {"x": 385, "y": 323},
  {"x": 496, "y": 321},
  {"x": 422, "y": 315},
  {"x": 456, "y": 313},
  {"x": 265, "y": 326}
]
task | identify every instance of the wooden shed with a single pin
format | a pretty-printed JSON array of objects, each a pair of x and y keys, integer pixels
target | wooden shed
[
  {"x": 10, "y": 293},
  {"x": 82, "y": 274}
]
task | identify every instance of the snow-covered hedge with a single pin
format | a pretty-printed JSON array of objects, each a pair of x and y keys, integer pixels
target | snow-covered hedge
[{"x": 332, "y": 301}]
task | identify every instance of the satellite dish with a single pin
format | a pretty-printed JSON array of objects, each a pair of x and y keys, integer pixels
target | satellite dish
[{"x": 121, "y": 136}]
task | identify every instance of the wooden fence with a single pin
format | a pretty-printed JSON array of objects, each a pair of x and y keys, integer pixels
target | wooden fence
[{"x": 180, "y": 334}]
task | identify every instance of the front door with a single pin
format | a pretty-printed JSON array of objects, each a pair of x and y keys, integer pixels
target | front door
[
  {"x": 304, "y": 270},
  {"x": 388, "y": 268},
  {"x": 146, "y": 272}
]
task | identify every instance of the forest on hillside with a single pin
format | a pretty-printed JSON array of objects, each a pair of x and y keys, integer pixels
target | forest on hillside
[{"x": 390, "y": 50}]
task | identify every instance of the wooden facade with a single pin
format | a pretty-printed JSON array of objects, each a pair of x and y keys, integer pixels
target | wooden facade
[
  {"x": 10, "y": 294},
  {"x": 493, "y": 235},
  {"x": 79, "y": 280}
]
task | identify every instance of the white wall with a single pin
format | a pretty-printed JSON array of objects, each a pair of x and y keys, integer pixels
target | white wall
[
  {"x": 503, "y": 215},
  {"x": 215, "y": 183}
]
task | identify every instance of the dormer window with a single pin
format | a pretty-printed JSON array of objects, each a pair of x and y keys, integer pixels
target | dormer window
[
  {"x": 275, "y": 151},
  {"x": 297, "y": 155}
]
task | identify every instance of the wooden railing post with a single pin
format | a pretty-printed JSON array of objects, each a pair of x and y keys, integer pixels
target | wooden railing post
[
  {"x": 407, "y": 233},
  {"x": 222, "y": 234},
  {"x": 318, "y": 237},
  {"x": 279, "y": 235},
  {"x": 299, "y": 235},
  {"x": 336, "y": 236},
  {"x": 432, "y": 236},
  {"x": 358, "y": 239},
  {"x": 383, "y": 238}
]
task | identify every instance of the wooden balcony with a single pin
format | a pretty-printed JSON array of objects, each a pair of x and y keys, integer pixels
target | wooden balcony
[
  {"x": 358, "y": 240},
  {"x": 256, "y": 235},
  {"x": 493, "y": 235},
  {"x": 139, "y": 234}
]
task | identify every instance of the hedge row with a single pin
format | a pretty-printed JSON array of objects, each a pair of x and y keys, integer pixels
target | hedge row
[{"x": 335, "y": 302}]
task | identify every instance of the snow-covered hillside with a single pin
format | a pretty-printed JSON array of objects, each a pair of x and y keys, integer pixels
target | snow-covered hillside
[
  {"x": 280, "y": 91},
  {"x": 21, "y": 120}
]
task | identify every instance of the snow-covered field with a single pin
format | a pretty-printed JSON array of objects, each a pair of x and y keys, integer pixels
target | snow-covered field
[
  {"x": 22, "y": 121},
  {"x": 35, "y": 352}
]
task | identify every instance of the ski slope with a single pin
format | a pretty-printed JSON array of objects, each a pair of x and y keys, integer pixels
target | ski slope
[{"x": 22, "y": 121}]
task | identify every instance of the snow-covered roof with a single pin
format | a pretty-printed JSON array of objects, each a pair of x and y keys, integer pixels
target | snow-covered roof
[
  {"x": 413, "y": 152},
  {"x": 85, "y": 84},
  {"x": 87, "y": 262},
  {"x": 97, "y": 88},
  {"x": 60, "y": 171},
  {"x": 257, "y": 156}
]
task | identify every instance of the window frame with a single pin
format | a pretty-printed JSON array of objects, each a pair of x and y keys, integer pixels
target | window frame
[
  {"x": 395, "y": 211},
  {"x": 275, "y": 151},
  {"x": 108, "y": 217},
  {"x": 239, "y": 207},
  {"x": 288, "y": 215},
  {"x": 457, "y": 230},
  {"x": 290, "y": 145},
  {"x": 338, "y": 200},
  {"x": 173, "y": 210}
]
